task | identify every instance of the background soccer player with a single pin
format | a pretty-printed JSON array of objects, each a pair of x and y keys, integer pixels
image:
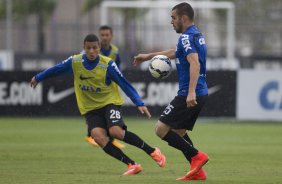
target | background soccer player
[
  {"x": 110, "y": 50},
  {"x": 107, "y": 47},
  {"x": 99, "y": 100},
  {"x": 181, "y": 114}
]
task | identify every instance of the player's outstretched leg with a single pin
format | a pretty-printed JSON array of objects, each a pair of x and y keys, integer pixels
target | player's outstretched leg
[{"x": 155, "y": 153}]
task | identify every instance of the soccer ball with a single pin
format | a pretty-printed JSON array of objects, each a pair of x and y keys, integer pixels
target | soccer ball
[{"x": 160, "y": 67}]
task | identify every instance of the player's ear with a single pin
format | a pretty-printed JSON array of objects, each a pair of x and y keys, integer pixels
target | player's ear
[{"x": 184, "y": 18}]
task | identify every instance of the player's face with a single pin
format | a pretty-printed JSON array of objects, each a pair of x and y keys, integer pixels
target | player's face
[
  {"x": 105, "y": 37},
  {"x": 176, "y": 22},
  {"x": 91, "y": 50}
]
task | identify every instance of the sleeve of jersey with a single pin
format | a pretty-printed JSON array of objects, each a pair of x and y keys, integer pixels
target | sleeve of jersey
[
  {"x": 118, "y": 60},
  {"x": 187, "y": 44},
  {"x": 59, "y": 69},
  {"x": 114, "y": 74}
]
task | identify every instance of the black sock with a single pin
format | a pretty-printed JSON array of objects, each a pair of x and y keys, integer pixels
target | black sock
[
  {"x": 134, "y": 140},
  {"x": 179, "y": 143},
  {"x": 117, "y": 153},
  {"x": 187, "y": 138}
]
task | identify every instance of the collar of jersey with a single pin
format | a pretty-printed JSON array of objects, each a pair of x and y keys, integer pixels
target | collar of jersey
[
  {"x": 90, "y": 65},
  {"x": 191, "y": 29},
  {"x": 106, "y": 52}
]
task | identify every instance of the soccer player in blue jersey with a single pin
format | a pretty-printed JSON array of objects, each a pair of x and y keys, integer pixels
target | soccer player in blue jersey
[
  {"x": 181, "y": 114},
  {"x": 96, "y": 80},
  {"x": 110, "y": 50}
]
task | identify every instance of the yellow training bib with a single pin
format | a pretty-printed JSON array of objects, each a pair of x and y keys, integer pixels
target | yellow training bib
[{"x": 90, "y": 88}]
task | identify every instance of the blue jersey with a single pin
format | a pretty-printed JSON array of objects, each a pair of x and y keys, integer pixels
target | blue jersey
[
  {"x": 113, "y": 75},
  {"x": 191, "y": 41}
]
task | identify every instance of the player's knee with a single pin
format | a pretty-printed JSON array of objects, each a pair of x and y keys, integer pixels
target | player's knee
[
  {"x": 116, "y": 132},
  {"x": 100, "y": 137},
  {"x": 101, "y": 140},
  {"x": 159, "y": 132},
  {"x": 161, "y": 129}
]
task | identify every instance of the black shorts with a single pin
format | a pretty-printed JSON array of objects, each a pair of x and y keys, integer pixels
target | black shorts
[
  {"x": 178, "y": 116},
  {"x": 106, "y": 117}
]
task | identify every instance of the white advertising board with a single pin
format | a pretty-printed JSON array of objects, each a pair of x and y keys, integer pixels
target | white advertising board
[
  {"x": 6, "y": 60},
  {"x": 259, "y": 95}
]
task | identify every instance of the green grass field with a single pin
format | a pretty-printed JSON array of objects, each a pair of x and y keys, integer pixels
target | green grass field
[{"x": 53, "y": 150}]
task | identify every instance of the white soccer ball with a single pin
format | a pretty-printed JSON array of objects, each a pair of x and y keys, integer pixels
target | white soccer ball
[{"x": 160, "y": 67}]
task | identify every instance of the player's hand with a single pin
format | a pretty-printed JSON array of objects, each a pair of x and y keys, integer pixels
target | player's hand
[
  {"x": 33, "y": 82},
  {"x": 191, "y": 99},
  {"x": 140, "y": 58},
  {"x": 144, "y": 109}
]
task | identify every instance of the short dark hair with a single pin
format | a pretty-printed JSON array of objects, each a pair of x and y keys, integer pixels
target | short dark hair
[
  {"x": 106, "y": 27},
  {"x": 184, "y": 9},
  {"x": 91, "y": 38}
]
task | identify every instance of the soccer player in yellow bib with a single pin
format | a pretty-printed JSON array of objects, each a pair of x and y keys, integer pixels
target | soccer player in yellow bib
[
  {"x": 110, "y": 50},
  {"x": 107, "y": 47},
  {"x": 96, "y": 80}
]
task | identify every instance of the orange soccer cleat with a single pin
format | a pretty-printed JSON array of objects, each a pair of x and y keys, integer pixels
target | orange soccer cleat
[
  {"x": 201, "y": 175},
  {"x": 91, "y": 141},
  {"x": 118, "y": 144},
  {"x": 197, "y": 162},
  {"x": 132, "y": 169},
  {"x": 158, "y": 157}
]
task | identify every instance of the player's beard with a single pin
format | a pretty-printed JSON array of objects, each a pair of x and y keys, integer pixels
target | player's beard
[
  {"x": 105, "y": 45},
  {"x": 178, "y": 28}
]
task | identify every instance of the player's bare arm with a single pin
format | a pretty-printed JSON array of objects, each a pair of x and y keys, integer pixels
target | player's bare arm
[
  {"x": 144, "y": 109},
  {"x": 145, "y": 57},
  {"x": 194, "y": 75},
  {"x": 33, "y": 82}
]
